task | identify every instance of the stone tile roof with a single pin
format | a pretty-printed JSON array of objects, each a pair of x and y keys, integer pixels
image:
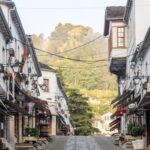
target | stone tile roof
[
  {"x": 44, "y": 66},
  {"x": 115, "y": 12}
]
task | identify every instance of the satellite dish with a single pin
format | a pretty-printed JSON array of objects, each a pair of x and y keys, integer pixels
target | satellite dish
[{"x": 132, "y": 106}]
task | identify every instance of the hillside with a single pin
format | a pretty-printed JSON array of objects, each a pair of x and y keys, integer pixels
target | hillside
[{"x": 92, "y": 79}]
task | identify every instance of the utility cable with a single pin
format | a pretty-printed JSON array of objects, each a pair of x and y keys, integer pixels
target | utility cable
[
  {"x": 68, "y": 58},
  {"x": 71, "y": 8},
  {"x": 59, "y": 56},
  {"x": 87, "y": 43}
]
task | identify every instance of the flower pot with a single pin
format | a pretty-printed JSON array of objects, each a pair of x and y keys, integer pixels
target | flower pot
[
  {"x": 135, "y": 147},
  {"x": 140, "y": 144}
]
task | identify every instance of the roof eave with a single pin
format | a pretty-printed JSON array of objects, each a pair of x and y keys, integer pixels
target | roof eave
[
  {"x": 145, "y": 44},
  {"x": 45, "y": 67},
  {"x": 128, "y": 10},
  {"x": 18, "y": 24},
  {"x": 7, "y": 3},
  {"x": 107, "y": 24},
  {"x": 5, "y": 28},
  {"x": 34, "y": 57},
  {"x": 62, "y": 89}
]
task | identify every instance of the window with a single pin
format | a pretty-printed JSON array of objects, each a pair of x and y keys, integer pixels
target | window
[
  {"x": 121, "y": 37},
  {"x": 97, "y": 124},
  {"x": 46, "y": 83}
]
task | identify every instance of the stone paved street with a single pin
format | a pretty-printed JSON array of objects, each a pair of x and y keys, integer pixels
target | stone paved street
[{"x": 82, "y": 143}]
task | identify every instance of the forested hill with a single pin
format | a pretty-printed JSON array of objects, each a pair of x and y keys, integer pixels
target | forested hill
[{"x": 84, "y": 76}]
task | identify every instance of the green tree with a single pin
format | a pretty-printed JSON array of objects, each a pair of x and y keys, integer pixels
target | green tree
[
  {"x": 94, "y": 79},
  {"x": 81, "y": 112}
]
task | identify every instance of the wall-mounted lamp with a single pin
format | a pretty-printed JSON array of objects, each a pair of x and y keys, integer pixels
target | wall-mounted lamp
[{"x": 132, "y": 106}]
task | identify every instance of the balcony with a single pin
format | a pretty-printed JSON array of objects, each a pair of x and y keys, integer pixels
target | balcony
[
  {"x": 118, "y": 61},
  {"x": 44, "y": 122}
]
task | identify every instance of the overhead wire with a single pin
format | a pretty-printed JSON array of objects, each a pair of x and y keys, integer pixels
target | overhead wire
[
  {"x": 72, "y": 59},
  {"x": 70, "y": 67},
  {"x": 62, "y": 57},
  {"x": 71, "y": 8},
  {"x": 87, "y": 43},
  {"x": 60, "y": 8}
]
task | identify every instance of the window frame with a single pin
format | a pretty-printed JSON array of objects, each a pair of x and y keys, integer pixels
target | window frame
[
  {"x": 121, "y": 37},
  {"x": 47, "y": 85}
]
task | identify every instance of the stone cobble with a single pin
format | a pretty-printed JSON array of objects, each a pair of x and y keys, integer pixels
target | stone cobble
[{"x": 81, "y": 143}]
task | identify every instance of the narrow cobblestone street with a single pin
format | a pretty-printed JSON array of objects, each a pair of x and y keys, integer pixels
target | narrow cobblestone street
[{"x": 82, "y": 143}]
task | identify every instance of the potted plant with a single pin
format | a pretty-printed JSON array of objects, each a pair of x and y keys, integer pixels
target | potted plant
[
  {"x": 31, "y": 132},
  {"x": 136, "y": 131}
]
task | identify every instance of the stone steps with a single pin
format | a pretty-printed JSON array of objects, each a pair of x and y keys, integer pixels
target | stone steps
[
  {"x": 6, "y": 144},
  {"x": 129, "y": 145}
]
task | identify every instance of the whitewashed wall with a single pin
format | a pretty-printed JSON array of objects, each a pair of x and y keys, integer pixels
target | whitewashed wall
[
  {"x": 142, "y": 21},
  {"x": 49, "y": 96},
  {"x": 137, "y": 27},
  {"x": 54, "y": 96},
  {"x": 117, "y": 52}
]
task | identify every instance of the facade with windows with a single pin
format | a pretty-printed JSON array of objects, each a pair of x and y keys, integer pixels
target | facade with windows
[
  {"x": 57, "y": 100},
  {"x": 116, "y": 31},
  {"x": 133, "y": 103},
  {"x": 19, "y": 71},
  {"x": 138, "y": 62}
]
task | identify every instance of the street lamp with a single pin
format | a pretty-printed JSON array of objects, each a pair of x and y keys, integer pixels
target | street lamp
[{"x": 132, "y": 106}]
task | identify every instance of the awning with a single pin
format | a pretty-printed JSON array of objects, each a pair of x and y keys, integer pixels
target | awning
[
  {"x": 114, "y": 122},
  {"x": 120, "y": 97},
  {"x": 116, "y": 126},
  {"x": 117, "y": 99},
  {"x": 145, "y": 101},
  {"x": 15, "y": 107},
  {"x": 3, "y": 112},
  {"x": 118, "y": 112},
  {"x": 126, "y": 103},
  {"x": 61, "y": 119},
  {"x": 123, "y": 98}
]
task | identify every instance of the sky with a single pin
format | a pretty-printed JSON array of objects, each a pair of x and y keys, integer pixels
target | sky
[{"x": 42, "y": 16}]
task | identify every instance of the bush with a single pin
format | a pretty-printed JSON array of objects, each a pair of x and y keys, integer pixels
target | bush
[
  {"x": 135, "y": 129},
  {"x": 31, "y": 131}
]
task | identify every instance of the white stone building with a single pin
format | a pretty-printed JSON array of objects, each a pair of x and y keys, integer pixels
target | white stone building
[
  {"x": 115, "y": 30},
  {"x": 134, "y": 87},
  {"x": 19, "y": 71},
  {"x": 57, "y": 100},
  {"x": 138, "y": 60}
]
